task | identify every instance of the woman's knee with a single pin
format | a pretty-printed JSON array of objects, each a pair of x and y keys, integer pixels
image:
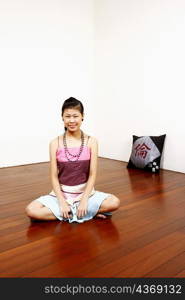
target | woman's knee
[
  {"x": 115, "y": 202},
  {"x": 111, "y": 203},
  {"x": 31, "y": 211}
]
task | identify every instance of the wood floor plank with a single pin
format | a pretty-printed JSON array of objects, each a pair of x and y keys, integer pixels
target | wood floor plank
[
  {"x": 160, "y": 257},
  {"x": 144, "y": 238},
  {"x": 180, "y": 274},
  {"x": 168, "y": 269}
]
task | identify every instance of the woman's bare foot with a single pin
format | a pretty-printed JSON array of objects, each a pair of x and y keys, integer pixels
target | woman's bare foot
[{"x": 101, "y": 216}]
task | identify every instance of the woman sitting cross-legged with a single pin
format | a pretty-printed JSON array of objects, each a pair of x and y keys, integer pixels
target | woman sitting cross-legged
[{"x": 73, "y": 168}]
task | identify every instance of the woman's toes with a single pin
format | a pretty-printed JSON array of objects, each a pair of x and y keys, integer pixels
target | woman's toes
[{"x": 101, "y": 216}]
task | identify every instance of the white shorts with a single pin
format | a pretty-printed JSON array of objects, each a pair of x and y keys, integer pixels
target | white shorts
[{"x": 94, "y": 203}]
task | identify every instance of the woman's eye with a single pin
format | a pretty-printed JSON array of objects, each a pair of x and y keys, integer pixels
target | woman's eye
[{"x": 73, "y": 116}]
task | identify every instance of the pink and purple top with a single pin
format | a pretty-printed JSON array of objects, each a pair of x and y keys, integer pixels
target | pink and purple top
[{"x": 73, "y": 172}]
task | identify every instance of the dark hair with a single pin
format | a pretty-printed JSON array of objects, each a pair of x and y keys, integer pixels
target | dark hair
[{"x": 72, "y": 103}]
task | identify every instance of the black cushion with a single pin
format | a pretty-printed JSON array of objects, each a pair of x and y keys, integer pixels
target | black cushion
[{"x": 146, "y": 152}]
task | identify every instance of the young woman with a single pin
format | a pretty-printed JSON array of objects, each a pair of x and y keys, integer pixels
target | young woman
[{"x": 73, "y": 168}]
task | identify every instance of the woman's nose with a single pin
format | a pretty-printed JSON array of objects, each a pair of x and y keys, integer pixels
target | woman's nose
[{"x": 71, "y": 120}]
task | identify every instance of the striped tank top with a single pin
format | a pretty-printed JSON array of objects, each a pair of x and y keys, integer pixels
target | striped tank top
[
  {"x": 73, "y": 172},
  {"x": 73, "y": 175}
]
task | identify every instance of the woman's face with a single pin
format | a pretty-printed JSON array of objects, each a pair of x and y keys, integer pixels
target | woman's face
[{"x": 72, "y": 119}]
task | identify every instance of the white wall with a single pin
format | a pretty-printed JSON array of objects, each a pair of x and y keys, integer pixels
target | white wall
[
  {"x": 46, "y": 51},
  {"x": 139, "y": 69},
  {"x": 131, "y": 82}
]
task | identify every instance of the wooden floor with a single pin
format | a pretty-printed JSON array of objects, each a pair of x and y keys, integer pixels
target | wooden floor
[{"x": 144, "y": 238}]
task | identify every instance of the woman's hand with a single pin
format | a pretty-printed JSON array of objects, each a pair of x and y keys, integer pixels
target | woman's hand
[
  {"x": 82, "y": 208},
  {"x": 65, "y": 210}
]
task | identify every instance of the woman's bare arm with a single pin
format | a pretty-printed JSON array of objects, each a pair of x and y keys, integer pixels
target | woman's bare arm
[
  {"x": 93, "y": 169},
  {"x": 65, "y": 209},
  {"x": 54, "y": 171},
  {"x": 82, "y": 208}
]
